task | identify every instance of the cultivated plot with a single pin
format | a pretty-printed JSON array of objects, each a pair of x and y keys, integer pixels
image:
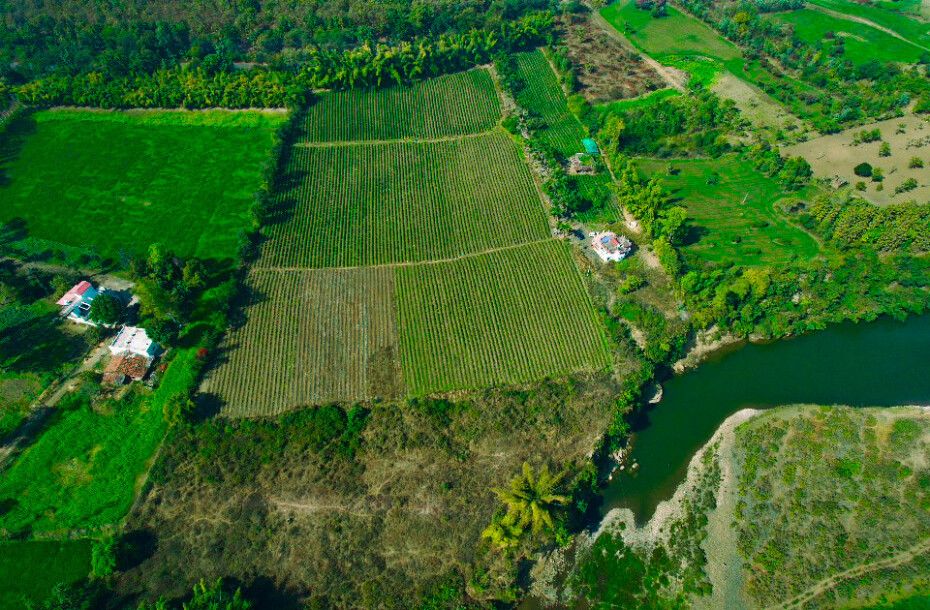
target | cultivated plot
[
  {"x": 543, "y": 96},
  {"x": 312, "y": 337},
  {"x": 450, "y": 105},
  {"x": 121, "y": 181},
  {"x": 505, "y": 317},
  {"x": 405, "y": 201},
  {"x": 732, "y": 209}
]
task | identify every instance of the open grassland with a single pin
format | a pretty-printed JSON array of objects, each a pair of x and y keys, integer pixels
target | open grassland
[
  {"x": 736, "y": 219},
  {"x": 312, "y": 337},
  {"x": 888, "y": 15},
  {"x": 862, "y": 42},
  {"x": 405, "y": 201},
  {"x": 544, "y": 97},
  {"x": 838, "y": 155},
  {"x": 500, "y": 318},
  {"x": 451, "y": 105},
  {"x": 29, "y": 570},
  {"x": 118, "y": 182},
  {"x": 674, "y": 34}
]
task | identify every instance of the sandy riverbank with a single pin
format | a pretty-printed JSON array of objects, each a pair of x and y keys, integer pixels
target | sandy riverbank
[{"x": 703, "y": 345}]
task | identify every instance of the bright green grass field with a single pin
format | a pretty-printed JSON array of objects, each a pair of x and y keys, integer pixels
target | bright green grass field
[
  {"x": 83, "y": 470},
  {"x": 451, "y": 105},
  {"x": 885, "y": 14},
  {"x": 734, "y": 208},
  {"x": 32, "y": 569},
  {"x": 122, "y": 181},
  {"x": 675, "y": 34},
  {"x": 862, "y": 43},
  {"x": 510, "y": 316}
]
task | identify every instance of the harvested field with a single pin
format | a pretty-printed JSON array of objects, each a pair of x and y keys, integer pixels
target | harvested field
[
  {"x": 606, "y": 70},
  {"x": 451, "y": 105},
  {"x": 838, "y": 154},
  {"x": 404, "y": 202},
  {"x": 312, "y": 337},
  {"x": 506, "y": 317}
]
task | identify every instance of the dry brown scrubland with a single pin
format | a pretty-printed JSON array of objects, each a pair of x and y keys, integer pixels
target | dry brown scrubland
[{"x": 374, "y": 530}]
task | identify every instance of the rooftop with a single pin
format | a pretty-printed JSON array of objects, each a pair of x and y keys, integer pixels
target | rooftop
[
  {"x": 76, "y": 292},
  {"x": 132, "y": 339}
]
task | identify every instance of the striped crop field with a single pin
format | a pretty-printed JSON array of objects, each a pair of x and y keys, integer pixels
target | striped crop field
[
  {"x": 543, "y": 95},
  {"x": 312, "y": 337},
  {"x": 504, "y": 317},
  {"x": 451, "y": 105},
  {"x": 398, "y": 202}
]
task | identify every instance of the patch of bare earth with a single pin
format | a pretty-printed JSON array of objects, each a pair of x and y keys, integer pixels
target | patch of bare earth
[{"x": 607, "y": 71}]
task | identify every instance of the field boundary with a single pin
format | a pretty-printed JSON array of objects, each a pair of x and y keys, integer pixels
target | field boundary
[{"x": 864, "y": 21}]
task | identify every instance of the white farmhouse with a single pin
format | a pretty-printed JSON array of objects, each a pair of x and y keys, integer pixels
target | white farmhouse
[
  {"x": 75, "y": 304},
  {"x": 132, "y": 340},
  {"x": 610, "y": 246}
]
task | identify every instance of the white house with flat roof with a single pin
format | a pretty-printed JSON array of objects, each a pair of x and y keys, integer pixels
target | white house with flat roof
[
  {"x": 610, "y": 246},
  {"x": 75, "y": 304},
  {"x": 133, "y": 340}
]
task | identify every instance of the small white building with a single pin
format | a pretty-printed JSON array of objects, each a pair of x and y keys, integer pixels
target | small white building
[
  {"x": 75, "y": 304},
  {"x": 132, "y": 340},
  {"x": 610, "y": 246}
]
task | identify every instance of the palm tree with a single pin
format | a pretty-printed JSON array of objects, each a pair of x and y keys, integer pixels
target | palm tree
[{"x": 530, "y": 499}]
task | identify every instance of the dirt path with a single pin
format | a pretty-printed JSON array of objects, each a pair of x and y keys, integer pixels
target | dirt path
[
  {"x": 675, "y": 78},
  {"x": 106, "y": 280},
  {"x": 340, "y": 143},
  {"x": 864, "y": 21},
  {"x": 44, "y": 408},
  {"x": 827, "y": 584},
  {"x": 437, "y": 261}
]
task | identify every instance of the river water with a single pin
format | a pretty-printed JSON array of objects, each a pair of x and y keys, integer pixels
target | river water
[{"x": 882, "y": 363}]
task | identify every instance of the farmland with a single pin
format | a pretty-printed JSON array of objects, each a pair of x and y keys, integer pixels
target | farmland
[
  {"x": 496, "y": 318},
  {"x": 544, "y": 96},
  {"x": 451, "y": 105},
  {"x": 316, "y": 336},
  {"x": 31, "y": 569},
  {"x": 404, "y": 202},
  {"x": 839, "y": 154},
  {"x": 862, "y": 42},
  {"x": 887, "y": 15},
  {"x": 135, "y": 170},
  {"x": 735, "y": 219}
]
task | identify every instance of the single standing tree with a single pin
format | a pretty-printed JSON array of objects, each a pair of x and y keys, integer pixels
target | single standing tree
[
  {"x": 530, "y": 500},
  {"x": 107, "y": 308}
]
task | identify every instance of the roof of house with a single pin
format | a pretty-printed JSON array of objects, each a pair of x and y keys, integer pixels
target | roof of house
[
  {"x": 131, "y": 366},
  {"x": 590, "y": 146},
  {"x": 76, "y": 291},
  {"x": 132, "y": 339}
]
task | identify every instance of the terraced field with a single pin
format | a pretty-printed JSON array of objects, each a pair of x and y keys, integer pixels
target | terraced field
[
  {"x": 405, "y": 202},
  {"x": 496, "y": 318},
  {"x": 400, "y": 267},
  {"x": 450, "y": 105}
]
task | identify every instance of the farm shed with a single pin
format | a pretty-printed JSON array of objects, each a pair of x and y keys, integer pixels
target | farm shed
[
  {"x": 590, "y": 146},
  {"x": 75, "y": 304}
]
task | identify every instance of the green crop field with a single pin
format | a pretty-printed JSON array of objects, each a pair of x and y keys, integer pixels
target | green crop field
[
  {"x": 505, "y": 317},
  {"x": 736, "y": 219},
  {"x": 862, "y": 42},
  {"x": 543, "y": 95},
  {"x": 318, "y": 336},
  {"x": 888, "y": 15},
  {"x": 450, "y": 105},
  {"x": 674, "y": 34},
  {"x": 30, "y": 570},
  {"x": 119, "y": 182},
  {"x": 405, "y": 201}
]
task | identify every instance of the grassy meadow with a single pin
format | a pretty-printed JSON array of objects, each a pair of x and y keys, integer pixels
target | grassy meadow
[
  {"x": 734, "y": 220},
  {"x": 30, "y": 570},
  {"x": 122, "y": 181},
  {"x": 862, "y": 42},
  {"x": 895, "y": 15}
]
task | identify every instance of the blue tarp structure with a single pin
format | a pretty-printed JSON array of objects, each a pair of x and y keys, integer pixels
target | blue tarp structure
[{"x": 590, "y": 146}]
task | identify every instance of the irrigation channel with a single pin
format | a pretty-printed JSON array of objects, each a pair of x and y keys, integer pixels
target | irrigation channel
[{"x": 882, "y": 363}]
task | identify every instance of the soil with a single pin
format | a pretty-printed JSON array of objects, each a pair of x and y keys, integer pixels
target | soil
[
  {"x": 607, "y": 70},
  {"x": 837, "y": 155}
]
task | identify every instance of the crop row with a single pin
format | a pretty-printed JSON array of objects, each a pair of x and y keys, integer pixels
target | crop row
[
  {"x": 311, "y": 337},
  {"x": 450, "y": 105},
  {"x": 504, "y": 317},
  {"x": 543, "y": 95},
  {"x": 405, "y": 202}
]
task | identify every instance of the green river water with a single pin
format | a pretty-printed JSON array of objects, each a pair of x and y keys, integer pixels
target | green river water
[{"x": 882, "y": 363}]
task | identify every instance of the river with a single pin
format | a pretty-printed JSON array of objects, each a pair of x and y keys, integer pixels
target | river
[{"x": 882, "y": 363}]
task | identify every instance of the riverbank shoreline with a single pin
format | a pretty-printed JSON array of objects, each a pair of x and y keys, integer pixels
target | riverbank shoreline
[{"x": 704, "y": 345}]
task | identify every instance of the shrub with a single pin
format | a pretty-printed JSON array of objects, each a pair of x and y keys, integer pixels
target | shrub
[
  {"x": 860, "y": 186},
  {"x": 103, "y": 557},
  {"x": 915, "y": 163},
  {"x": 908, "y": 185},
  {"x": 107, "y": 308},
  {"x": 864, "y": 170},
  {"x": 878, "y": 175},
  {"x": 884, "y": 150}
]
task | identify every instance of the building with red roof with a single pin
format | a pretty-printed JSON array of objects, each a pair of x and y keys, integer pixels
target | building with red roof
[{"x": 75, "y": 304}]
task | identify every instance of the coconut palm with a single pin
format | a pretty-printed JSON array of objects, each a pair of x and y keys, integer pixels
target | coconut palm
[{"x": 530, "y": 499}]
